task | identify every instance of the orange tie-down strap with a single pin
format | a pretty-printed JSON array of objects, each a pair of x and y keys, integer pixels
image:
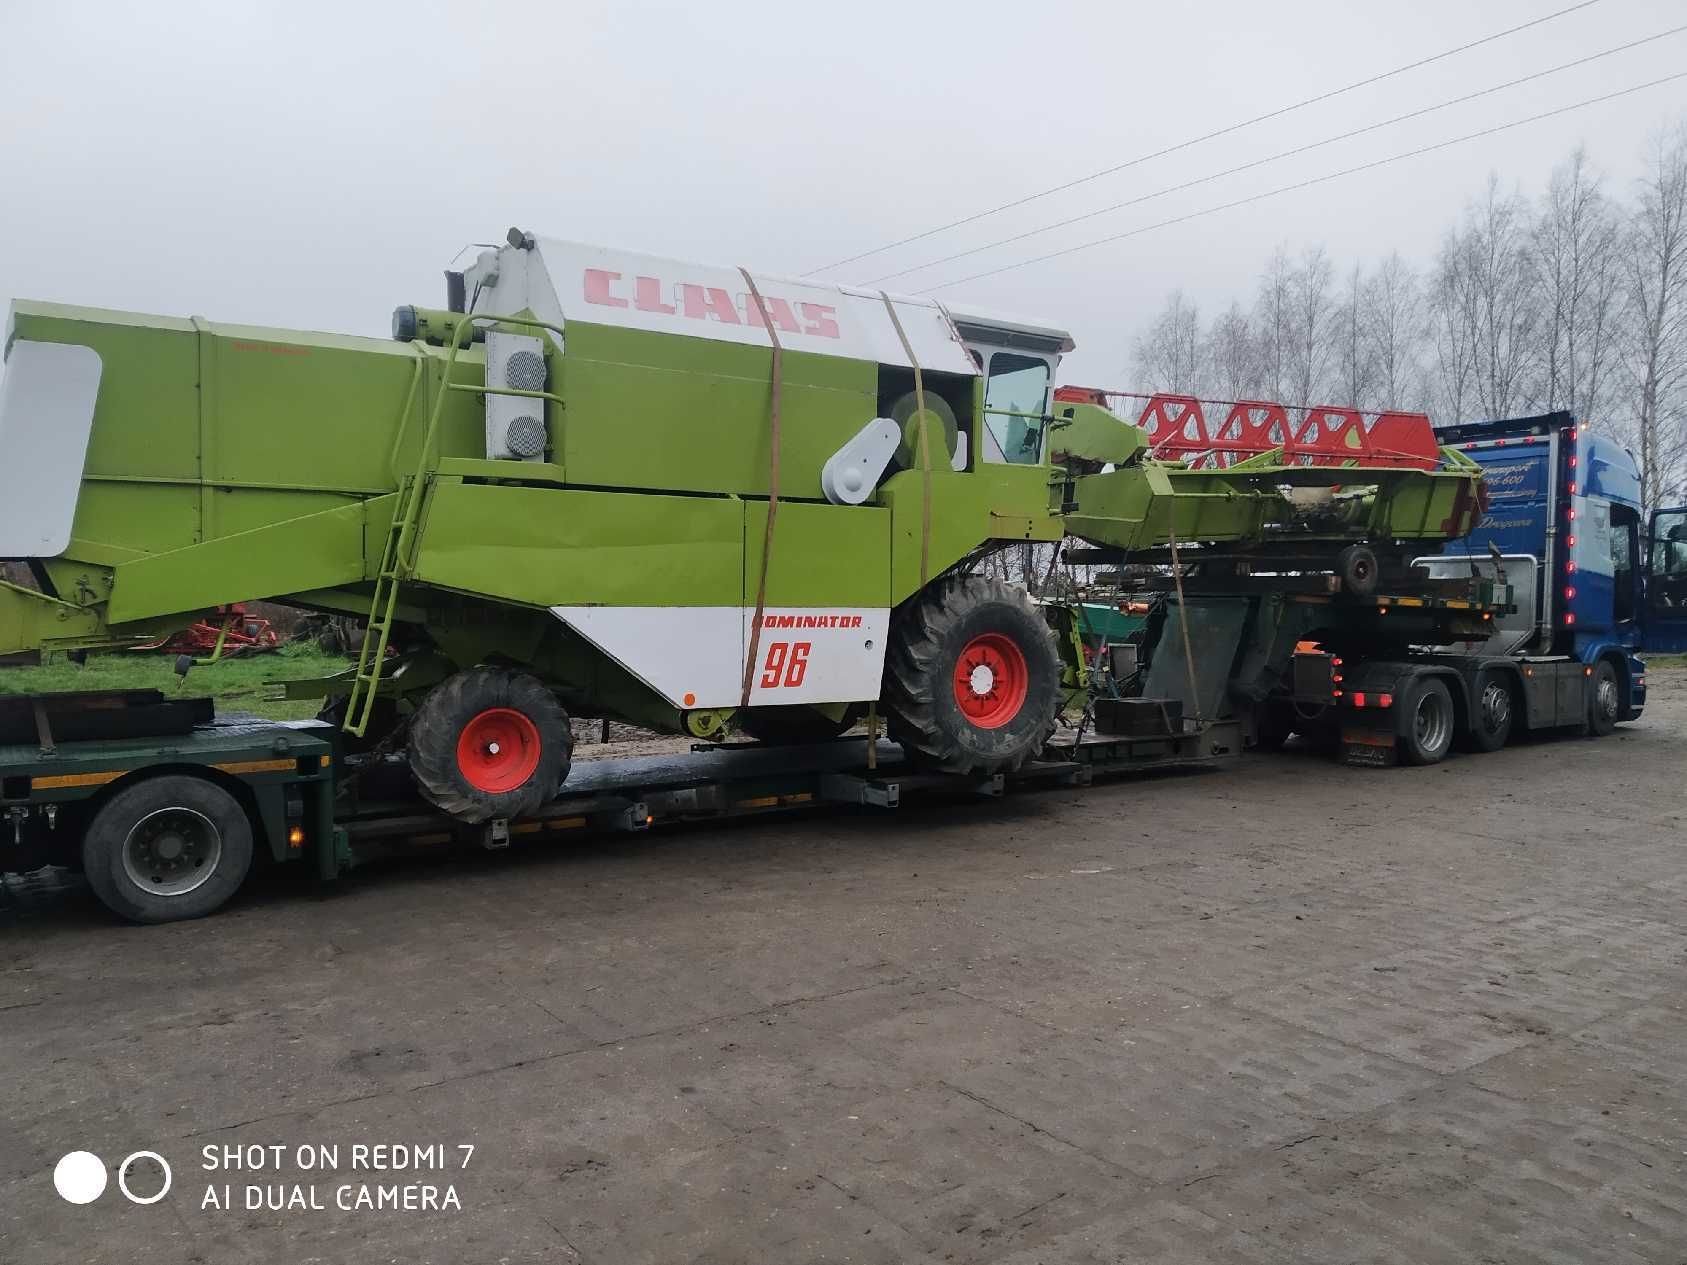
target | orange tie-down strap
[
  {"x": 772, "y": 486},
  {"x": 925, "y": 453}
]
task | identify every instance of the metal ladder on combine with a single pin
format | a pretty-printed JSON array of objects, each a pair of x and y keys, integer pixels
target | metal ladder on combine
[{"x": 398, "y": 555}]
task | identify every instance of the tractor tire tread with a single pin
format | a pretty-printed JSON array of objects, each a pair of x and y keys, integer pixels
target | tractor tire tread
[{"x": 438, "y": 722}]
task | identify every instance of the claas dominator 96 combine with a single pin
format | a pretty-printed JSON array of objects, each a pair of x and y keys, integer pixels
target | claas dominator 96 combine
[{"x": 599, "y": 484}]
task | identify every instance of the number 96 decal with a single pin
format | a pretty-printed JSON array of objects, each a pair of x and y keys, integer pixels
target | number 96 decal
[{"x": 786, "y": 664}]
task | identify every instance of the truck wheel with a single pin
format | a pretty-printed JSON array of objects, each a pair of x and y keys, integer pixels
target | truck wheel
[
  {"x": 1358, "y": 569},
  {"x": 1490, "y": 727},
  {"x": 488, "y": 744},
  {"x": 795, "y": 723},
  {"x": 972, "y": 680},
  {"x": 169, "y": 847},
  {"x": 1604, "y": 699},
  {"x": 1428, "y": 722}
]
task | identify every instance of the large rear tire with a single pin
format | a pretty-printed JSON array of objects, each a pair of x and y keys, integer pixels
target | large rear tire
[
  {"x": 167, "y": 848},
  {"x": 1494, "y": 707},
  {"x": 972, "y": 678},
  {"x": 1427, "y": 722},
  {"x": 489, "y": 743}
]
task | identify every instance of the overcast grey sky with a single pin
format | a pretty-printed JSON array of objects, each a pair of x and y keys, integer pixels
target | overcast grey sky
[{"x": 316, "y": 164}]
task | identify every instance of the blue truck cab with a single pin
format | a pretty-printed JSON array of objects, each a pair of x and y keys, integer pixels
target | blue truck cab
[{"x": 1596, "y": 581}]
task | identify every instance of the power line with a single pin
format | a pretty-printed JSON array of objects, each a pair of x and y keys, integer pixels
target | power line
[
  {"x": 1306, "y": 184},
  {"x": 1287, "y": 153},
  {"x": 1223, "y": 131}
]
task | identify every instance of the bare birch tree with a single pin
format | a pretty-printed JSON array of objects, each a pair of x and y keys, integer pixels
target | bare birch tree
[
  {"x": 1233, "y": 355},
  {"x": 1657, "y": 284},
  {"x": 1577, "y": 245},
  {"x": 1273, "y": 326},
  {"x": 1394, "y": 330},
  {"x": 1311, "y": 326},
  {"x": 1168, "y": 356},
  {"x": 1355, "y": 370}
]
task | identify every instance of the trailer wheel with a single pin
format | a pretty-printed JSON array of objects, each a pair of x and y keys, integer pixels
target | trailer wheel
[
  {"x": 1490, "y": 727},
  {"x": 489, "y": 743},
  {"x": 795, "y": 723},
  {"x": 1604, "y": 699},
  {"x": 170, "y": 847},
  {"x": 972, "y": 679},
  {"x": 1428, "y": 722},
  {"x": 1358, "y": 568}
]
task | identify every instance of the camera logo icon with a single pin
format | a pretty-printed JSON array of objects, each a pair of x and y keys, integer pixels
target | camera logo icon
[{"x": 80, "y": 1177}]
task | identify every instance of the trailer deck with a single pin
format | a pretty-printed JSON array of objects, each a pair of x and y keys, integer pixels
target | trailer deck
[{"x": 730, "y": 780}]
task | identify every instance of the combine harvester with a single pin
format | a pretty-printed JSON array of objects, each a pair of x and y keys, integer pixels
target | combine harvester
[{"x": 609, "y": 485}]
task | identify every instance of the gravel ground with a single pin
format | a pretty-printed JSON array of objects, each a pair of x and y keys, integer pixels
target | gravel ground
[{"x": 1282, "y": 1012}]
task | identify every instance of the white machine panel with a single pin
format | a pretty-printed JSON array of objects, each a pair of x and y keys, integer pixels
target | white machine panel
[
  {"x": 515, "y": 424},
  {"x": 561, "y": 281},
  {"x": 693, "y": 656},
  {"x": 47, "y": 402}
]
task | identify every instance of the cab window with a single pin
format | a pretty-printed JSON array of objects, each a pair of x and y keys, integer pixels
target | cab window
[
  {"x": 1015, "y": 398},
  {"x": 1669, "y": 559},
  {"x": 1625, "y": 528}
]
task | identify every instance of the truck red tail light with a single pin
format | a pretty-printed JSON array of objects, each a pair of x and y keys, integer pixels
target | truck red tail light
[
  {"x": 1385, "y": 700},
  {"x": 1358, "y": 698}
]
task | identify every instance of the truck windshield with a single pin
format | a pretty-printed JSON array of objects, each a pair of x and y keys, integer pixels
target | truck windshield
[{"x": 1014, "y": 403}]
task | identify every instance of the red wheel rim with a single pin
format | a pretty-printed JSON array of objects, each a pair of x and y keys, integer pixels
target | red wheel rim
[
  {"x": 498, "y": 750},
  {"x": 991, "y": 680}
]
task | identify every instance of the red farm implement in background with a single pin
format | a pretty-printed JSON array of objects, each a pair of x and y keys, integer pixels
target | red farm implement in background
[
  {"x": 1178, "y": 428},
  {"x": 231, "y": 631}
]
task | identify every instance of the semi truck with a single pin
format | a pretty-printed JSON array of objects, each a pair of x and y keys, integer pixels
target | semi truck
[{"x": 1591, "y": 580}]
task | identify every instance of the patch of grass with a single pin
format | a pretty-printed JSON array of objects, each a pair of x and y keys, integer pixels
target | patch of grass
[
  {"x": 240, "y": 684},
  {"x": 1664, "y": 660}
]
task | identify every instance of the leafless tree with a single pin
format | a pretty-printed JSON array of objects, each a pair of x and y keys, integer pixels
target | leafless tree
[
  {"x": 1312, "y": 326},
  {"x": 1576, "y": 300},
  {"x": 1274, "y": 324},
  {"x": 1356, "y": 369},
  {"x": 1453, "y": 324},
  {"x": 1656, "y": 269},
  {"x": 1578, "y": 247},
  {"x": 1168, "y": 356},
  {"x": 1488, "y": 306},
  {"x": 1394, "y": 331},
  {"x": 1232, "y": 357}
]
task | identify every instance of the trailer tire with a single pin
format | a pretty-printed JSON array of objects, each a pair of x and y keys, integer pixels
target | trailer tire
[
  {"x": 166, "y": 848},
  {"x": 972, "y": 678},
  {"x": 1358, "y": 568},
  {"x": 1492, "y": 710},
  {"x": 795, "y": 723},
  {"x": 1427, "y": 722},
  {"x": 1604, "y": 699},
  {"x": 488, "y": 743}
]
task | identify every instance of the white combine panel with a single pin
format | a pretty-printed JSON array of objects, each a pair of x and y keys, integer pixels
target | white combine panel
[{"x": 515, "y": 424}]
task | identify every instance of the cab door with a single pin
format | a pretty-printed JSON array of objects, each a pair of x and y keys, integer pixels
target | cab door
[{"x": 1666, "y": 581}]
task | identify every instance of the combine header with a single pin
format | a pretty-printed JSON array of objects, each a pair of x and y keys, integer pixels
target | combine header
[{"x": 604, "y": 484}]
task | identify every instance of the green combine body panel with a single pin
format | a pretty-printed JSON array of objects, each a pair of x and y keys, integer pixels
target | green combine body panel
[{"x": 575, "y": 476}]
